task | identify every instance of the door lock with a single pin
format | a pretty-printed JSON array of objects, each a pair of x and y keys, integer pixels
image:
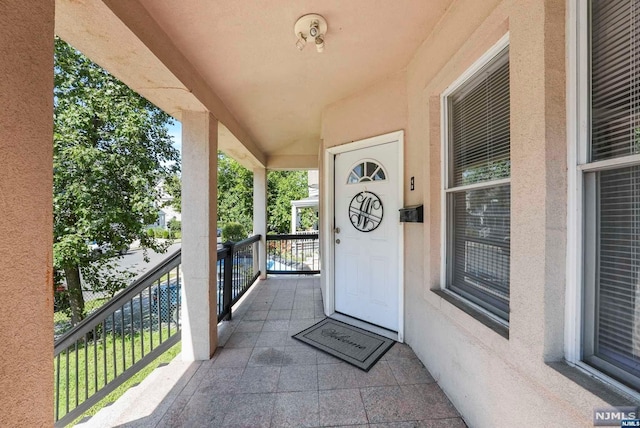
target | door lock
[{"x": 337, "y": 241}]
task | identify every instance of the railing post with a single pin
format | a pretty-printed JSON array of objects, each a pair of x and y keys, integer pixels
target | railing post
[
  {"x": 260, "y": 216},
  {"x": 228, "y": 279},
  {"x": 256, "y": 257}
]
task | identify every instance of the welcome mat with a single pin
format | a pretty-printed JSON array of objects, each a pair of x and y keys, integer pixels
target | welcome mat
[{"x": 354, "y": 345}]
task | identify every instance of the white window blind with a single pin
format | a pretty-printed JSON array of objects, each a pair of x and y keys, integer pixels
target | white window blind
[
  {"x": 612, "y": 266},
  {"x": 480, "y": 126},
  {"x": 480, "y": 217},
  {"x": 615, "y": 79}
]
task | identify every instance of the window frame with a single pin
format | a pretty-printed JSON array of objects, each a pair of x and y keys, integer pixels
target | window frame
[
  {"x": 446, "y": 189},
  {"x": 582, "y": 207}
]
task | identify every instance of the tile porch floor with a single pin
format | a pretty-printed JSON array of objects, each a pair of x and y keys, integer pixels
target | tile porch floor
[{"x": 261, "y": 377}]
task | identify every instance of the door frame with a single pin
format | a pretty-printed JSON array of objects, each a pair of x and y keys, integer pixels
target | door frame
[{"x": 328, "y": 212}]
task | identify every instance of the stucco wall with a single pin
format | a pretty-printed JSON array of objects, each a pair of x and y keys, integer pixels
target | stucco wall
[
  {"x": 492, "y": 380},
  {"x": 26, "y": 281},
  {"x": 380, "y": 109}
]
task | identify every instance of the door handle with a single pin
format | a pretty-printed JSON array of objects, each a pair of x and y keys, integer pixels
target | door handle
[{"x": 336, "y": 230}]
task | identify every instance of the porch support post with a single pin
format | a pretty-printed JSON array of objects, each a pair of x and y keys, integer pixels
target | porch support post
[
  {"x": 199, "y": 240},
  {"x": 260, "y": 216},
  {"x": 294, "y": 218},
  {"x": 26, "y": 203}
]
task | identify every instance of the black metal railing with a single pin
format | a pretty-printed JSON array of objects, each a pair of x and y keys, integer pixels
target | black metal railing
[
  {"x": 237, "y": 271},
  {"x": 117, "y": 340},
  {"x": 297, "y": 254},
  {"x": 136, "y": 326}
]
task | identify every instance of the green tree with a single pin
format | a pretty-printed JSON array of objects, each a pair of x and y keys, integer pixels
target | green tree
[
  {"x": 174, "y": 225},
  {"x": 235, "y": 193},
  {"x": 235, "y": 196},
  {"x": 173, "y": 188},
  {"x": 233, "y": 232},
  {"x": 111, "y": 150},
  {"x": 282, "y": 188}
]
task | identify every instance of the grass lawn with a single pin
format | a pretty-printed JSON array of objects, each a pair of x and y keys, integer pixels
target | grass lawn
[
  {"x": 90, "y": 306},
  {"x": 136, "y": 379},
  {"x": 132, "y": 332},
  {"x": 97, "y": 363}
]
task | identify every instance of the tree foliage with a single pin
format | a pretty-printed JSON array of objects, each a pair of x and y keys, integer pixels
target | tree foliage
[
  {"x": 233, "y": 232},
  {"x": 235, "y": 196},
  {"x": 172, "y": 186},
  {"x": 111, "y": 150},
  {"x": 282, "y": 188},
  {"x": 235, "y": 193}
]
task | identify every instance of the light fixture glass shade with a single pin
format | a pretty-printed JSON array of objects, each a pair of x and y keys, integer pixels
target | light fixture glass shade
[
  {"x": 320, "y": 43},
  {"x": 301, "y": 42}
]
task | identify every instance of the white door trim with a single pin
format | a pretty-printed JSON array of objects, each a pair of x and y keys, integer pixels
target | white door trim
[{"x": 328, "y": 235}]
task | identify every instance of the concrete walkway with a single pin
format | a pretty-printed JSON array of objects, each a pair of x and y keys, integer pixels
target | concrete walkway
[{"x": 261, "y": 377}]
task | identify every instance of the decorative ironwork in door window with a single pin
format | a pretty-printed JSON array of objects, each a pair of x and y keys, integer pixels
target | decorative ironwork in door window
[{"x": 366, "y": 171}]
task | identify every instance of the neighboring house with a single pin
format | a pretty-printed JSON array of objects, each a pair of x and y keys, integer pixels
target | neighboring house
[
  {"x": 514, "y": 123},
  {"x": 162, "y": 220}
]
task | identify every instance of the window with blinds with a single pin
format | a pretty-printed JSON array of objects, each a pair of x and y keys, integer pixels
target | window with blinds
[
  {"x": 612, "y": 193},
  {"x": 479, "y": 191},
  {"x": 615, "y": 82}
]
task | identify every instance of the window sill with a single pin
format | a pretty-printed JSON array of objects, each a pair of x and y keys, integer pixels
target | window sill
[
  {"x": 501, "y": 329},
  {"x": 593, "y": 384}
]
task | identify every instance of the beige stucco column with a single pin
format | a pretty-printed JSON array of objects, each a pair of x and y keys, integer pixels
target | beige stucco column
[
  {"x": 26, "y": 229},
  {"x": 538, "y": 179},
  {"x": 260, "y": 215},
  {"x": 199, "y": 241}
]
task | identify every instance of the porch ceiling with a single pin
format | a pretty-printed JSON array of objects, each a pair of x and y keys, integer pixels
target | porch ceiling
[{"x": 239, "y": 59}]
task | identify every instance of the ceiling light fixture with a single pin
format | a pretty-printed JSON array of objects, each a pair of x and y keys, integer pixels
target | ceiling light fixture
[{"x": 311, "y": 26}]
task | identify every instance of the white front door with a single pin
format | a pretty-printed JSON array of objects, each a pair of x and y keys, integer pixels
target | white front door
[{"x": 366, "y": 238}]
